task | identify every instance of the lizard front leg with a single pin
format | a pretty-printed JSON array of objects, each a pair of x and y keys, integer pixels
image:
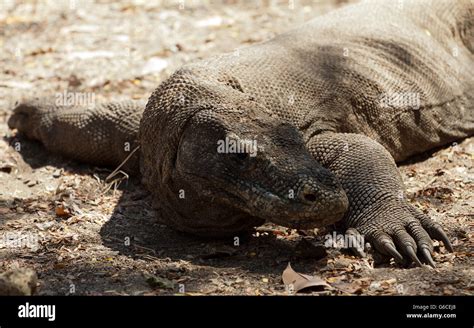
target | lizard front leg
[{"x": 378, "y": 209}]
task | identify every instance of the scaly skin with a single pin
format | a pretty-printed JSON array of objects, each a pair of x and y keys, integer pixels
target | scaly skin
[{"x": 318, "y": 103}]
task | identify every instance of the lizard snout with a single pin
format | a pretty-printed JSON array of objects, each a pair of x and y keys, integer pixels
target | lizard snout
[{"x": 307, "y": 194}]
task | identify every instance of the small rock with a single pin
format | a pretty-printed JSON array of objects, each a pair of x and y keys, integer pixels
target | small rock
[
  {"x": 342, "y": 263},
  {"x": 45, "y": 225},
  {"x": 74, "y": 81},
  {"x": 18, "y": 282},
  {"x": 31, "y": 183},
  {"x": 375, "y": 285}
]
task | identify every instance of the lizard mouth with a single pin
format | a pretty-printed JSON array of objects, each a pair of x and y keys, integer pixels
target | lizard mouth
[
  {"x": 260, "y": 202},
  {"x": 328, "y": 206}
]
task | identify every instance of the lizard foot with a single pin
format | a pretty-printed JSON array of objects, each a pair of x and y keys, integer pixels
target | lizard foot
[
  {"x": 403, "y": 233},
  {"x": 26, "y": 118}
]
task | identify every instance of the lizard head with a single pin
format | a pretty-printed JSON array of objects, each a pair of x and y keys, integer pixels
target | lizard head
[
  {"x": 218, "y": 162},
  {"x": 246, "y": 161}
]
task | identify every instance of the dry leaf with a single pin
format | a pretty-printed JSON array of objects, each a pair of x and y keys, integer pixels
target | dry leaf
[
  {"x": 296, "y": 282},
  {"x": 348, "y": 288},
  {"x": 61, "y": 211}
]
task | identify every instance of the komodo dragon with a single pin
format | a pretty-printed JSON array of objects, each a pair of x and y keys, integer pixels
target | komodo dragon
[{"x": 330, "y": 107}]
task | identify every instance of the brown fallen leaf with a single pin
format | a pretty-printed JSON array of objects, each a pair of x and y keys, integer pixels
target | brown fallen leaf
[
  {"x": 62, "y": 212},
  {"x": 436, "y": 192},
  {"x": 348, "y": 288},
  {"x": 296, "y": 282}
]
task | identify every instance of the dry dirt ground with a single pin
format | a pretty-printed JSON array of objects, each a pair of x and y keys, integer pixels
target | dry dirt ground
[{"x": 83, "y": 236}]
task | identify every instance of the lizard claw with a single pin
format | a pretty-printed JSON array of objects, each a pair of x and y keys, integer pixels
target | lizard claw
[
  {"x": 403, "y": 235},
  {"x": 385, "y": 245},
  {"x": 388, "y": 246},
  {"x": 434, "y": 230},
  {"x": 427, "y": 255},
  {"x": 438, "y": 233},
  {"x": 411, "y": 253}
]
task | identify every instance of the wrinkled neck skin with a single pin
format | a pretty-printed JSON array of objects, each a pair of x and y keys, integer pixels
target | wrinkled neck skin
[{"x": 232, "y": 166}]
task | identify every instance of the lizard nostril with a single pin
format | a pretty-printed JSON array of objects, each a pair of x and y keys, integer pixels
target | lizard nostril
[{"x": 310, "y": 197}]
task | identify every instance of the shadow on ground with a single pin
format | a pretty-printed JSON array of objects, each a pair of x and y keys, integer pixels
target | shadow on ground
[{"x": 134, "y": 230}]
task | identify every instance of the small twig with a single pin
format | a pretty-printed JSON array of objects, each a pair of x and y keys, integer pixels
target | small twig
[
  {"x": 111, "y": 175},
  {"x": 429, "y": 183},
  {"x": 115, "y": 183}
]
